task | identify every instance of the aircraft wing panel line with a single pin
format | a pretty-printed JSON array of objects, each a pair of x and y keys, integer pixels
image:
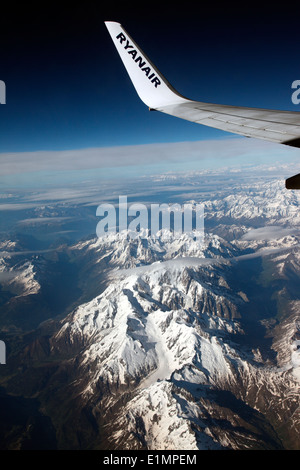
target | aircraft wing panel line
[
  {"x": 251, "y": 122},
  {"x": 249, "y": 127}
]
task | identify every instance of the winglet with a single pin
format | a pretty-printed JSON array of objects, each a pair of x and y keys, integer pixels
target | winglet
[{"x": 153, "y": 89}]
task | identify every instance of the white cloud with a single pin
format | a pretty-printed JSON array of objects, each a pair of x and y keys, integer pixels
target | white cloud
[
  {"x": 43, "y": 220},
  {"x": 270, "y": 232},
  {"x": 138, "y": 155},
  {"x": 17, "y": 206}
]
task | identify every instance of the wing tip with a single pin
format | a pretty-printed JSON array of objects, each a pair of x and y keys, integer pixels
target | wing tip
[{"x": 109, "y": 22}]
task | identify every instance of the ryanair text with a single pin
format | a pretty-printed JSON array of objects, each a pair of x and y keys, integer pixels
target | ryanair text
[{"x": 141, "y": 61}]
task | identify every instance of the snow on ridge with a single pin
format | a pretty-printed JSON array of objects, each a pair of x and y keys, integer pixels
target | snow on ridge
[
  {"x": 164, "y": 424},
  {"x": 23, "y": 278},
  {"x": 268, "y": 201},
  {"x": 142, "y": 326},
  {"x": 164, "y": 327}
]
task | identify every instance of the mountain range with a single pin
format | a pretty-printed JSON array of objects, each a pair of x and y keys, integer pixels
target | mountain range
[{"x": 158, "y": 342}]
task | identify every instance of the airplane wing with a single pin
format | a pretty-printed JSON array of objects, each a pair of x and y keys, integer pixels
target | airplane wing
[{"x": 155, "y": 91}]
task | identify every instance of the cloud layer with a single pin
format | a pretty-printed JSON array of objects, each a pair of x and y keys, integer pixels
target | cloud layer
[
  {"x": 269, "y": 232},
  {"x": 124, "y": 156}
]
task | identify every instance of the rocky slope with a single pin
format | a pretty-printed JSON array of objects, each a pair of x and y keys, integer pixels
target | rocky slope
[
  {"x": 167, "y": 339},
  {"x": 169, "y": 344}
]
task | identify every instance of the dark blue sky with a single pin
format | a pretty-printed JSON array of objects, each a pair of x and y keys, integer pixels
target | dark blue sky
[{"x": 67, "y": 88}]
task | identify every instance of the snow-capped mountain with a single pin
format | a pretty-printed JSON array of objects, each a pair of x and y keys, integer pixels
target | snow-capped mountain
[
  {"x": 162, "y": 343},
  {"x": 21, "y": 278},
  {"x": 168, "y": 332},
  {"x": 264, "y": 202},
  {"x": 123, "y": 251}
]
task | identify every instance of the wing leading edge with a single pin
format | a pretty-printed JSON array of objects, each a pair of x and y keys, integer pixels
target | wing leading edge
[{"x": 155, "y": 91}]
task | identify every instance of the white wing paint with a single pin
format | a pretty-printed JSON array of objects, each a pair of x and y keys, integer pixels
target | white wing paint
[{"x": 155, "y": 91}]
